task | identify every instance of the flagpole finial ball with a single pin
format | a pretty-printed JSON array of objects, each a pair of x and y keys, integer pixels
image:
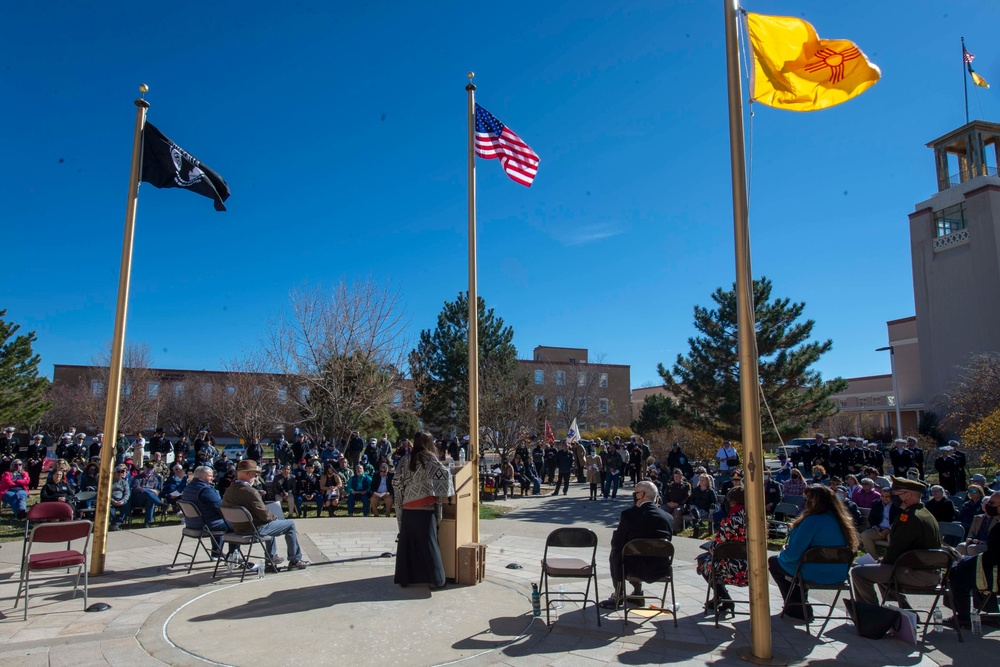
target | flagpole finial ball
[
  {"x": 143, "y": 88},
  {"x": 471, "y": 75}
]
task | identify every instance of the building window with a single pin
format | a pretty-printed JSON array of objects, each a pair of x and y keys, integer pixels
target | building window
[
  {"x": 539, "y": 377},
  {"x": 843, "y": 403},
  {"x": 178, "y": 390},
  {"x": 949, "y": 220},
  {"x": 153, "y": 390},
  {"x": 603, "y": 379},
  {"x": 604, "y": 405},
  {"x": 397, "y": 397},
  {"x": 560, "y": 403},
  {"x": 561, "y": 378},
  {"x": 891, "y": 401},
  {"x": 282, "y": 395},
  {"x": 581, "y": 404},
  {"x": 604, "y": 424},
  {"x": 230, "y": 390},
  {"x": 572, "y": 361},
  {"x": 303, "y": 394},
  {"x": 127, "y": 389},
  {"x": 538, "y": 403},
  {"x": 206, "y": 391},
  {"x": 96, "y": 387},
  {"x": 581, "y": 379}
]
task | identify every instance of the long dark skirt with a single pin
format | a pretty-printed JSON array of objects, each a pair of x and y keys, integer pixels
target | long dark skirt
[{"x": 418, "y": 556}]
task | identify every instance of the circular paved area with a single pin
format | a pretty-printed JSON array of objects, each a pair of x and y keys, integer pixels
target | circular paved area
[{"x": 352, "y": 614}]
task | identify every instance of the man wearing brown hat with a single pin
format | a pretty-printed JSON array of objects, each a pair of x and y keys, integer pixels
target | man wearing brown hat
[
  {"x": 242, "y": 494},
  {"x": 915, "y": 528}
]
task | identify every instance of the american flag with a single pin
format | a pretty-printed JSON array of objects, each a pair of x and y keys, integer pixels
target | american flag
[
  {"x": 967, "y": 57},
  {"x": 495, "y": 140}
]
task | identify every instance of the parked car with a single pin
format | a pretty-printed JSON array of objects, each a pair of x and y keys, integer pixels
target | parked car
[{"x": 235, "y": 452}]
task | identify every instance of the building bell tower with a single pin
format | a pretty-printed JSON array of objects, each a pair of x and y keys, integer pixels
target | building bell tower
[{"x": 955, "y": 250}]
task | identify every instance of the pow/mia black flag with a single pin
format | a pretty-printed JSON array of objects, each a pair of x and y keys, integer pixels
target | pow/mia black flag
[{"x": 167, "y": 165}]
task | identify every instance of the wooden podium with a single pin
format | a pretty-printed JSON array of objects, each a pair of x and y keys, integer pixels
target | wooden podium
[{"x": 455, "y": 529}]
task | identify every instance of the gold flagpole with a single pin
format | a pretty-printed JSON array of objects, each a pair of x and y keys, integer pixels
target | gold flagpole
[
  {"x": 760, "y": 613},
  {"x": 473, "y": 316},
  {"x": 114, "y": 388}
]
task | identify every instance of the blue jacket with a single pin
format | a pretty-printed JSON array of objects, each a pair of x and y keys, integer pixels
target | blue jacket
[
  {"x": 206, "y": 498},
  {"x": 818, "y": 530},
  {"x": 172, "y": 484}
]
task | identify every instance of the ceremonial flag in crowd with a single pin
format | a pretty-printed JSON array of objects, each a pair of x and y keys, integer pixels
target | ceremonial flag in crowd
[
  {"x": 573, "y": 434},
  {"x": 495, "y": 140},
  {"x": 550, "y": 437},
  {"x": 976, "y": 79},
  {"x": 796, "y": 70},
  {"x": 167, "y": 165}
]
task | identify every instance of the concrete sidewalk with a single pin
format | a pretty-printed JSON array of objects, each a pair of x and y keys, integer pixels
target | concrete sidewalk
[{"x": 346, "y": 605}]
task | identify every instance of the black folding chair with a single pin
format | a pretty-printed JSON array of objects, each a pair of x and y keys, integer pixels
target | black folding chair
[
  {"x": 952, "y": 533},
  {"x": 191, "y": 511},
  {"x": 236, "y": 516},
  {"x": 721, "y": 552},
  {"x": 821, "y": 556},
  {"x": 655, "y": 559},
  {"x": 936, "y": 562},
  {"x": 563, "y": 567}
]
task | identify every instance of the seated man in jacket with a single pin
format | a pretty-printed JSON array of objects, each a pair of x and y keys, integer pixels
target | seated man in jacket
[
  {"x": 242, "y": 494},
  {"x": 644, "y": 520},
  {"x": 174, "y": 485},
  {"x": 201, "y": 493},
  {"x": 880, "y": 519},
  {"x": 381, "y": 488},
  {"x": 915, "y": 529},
  {"x": 677, "y": 498},
  {"x": 121, "y": 495}
]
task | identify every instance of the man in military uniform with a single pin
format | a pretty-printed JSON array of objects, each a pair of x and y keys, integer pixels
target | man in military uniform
[
  {"x": 947, "y": 468},
  {"x": 854, "y": 458},
  {"x": 8, "y": 448},
  {"x": 918, "y": 454},
  {"x": 95, "y": 447},
  {"x": 838, "y": 466},
  {"x": 915, "y": 528},
  {"x": 875, "y": 458},
  {"x": 960, "y": 462},
  {"x": 901, "y": 458}
]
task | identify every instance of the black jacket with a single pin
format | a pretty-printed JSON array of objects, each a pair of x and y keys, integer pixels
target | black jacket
[
  {"x": 644, "y": 522},
  {"x": 875, "y": 516}
]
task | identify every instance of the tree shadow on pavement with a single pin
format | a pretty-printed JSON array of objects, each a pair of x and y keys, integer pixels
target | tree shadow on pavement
[{"x": 573, "y": 510}]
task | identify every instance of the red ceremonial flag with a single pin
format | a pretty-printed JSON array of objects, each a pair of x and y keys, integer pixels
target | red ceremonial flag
[{"x": 550, "y": 437}]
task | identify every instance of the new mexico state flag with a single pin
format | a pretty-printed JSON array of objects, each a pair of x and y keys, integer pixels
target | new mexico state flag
[{"x": 796, "y": 70}]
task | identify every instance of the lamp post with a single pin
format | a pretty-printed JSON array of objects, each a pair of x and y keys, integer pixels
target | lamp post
[{"x": 895, "y": 387}]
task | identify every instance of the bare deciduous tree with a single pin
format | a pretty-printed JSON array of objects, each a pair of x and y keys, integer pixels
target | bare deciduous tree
[
  {"x": 573, "y": 393},
  {"x": 506, "y": 409},
  {"x": 975, "y": 394},
  {"x": 250, "y": 401},
  {"x": 185, "y": 406},
  {"x": 343, "y": 349}
]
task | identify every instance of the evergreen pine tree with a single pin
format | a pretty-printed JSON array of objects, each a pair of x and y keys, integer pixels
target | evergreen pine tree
[
  {"x": 705, "y": 383},
  {"x": 22, "y": 392}
]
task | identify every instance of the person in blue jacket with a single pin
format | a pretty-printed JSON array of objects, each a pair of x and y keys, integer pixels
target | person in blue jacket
[{"x": 824, "y": 522}]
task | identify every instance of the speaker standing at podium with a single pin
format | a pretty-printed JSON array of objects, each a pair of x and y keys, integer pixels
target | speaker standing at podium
[{"x": 422, "y": 485}]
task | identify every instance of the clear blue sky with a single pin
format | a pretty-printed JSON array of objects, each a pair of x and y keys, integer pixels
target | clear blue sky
[{"x": 340, "y": 128}]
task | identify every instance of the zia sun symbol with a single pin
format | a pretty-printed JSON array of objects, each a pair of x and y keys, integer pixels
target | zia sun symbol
[{"x": 834, "y": 60}]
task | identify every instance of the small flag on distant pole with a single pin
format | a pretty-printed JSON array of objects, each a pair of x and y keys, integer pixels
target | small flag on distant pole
[
  {"x": 495, "y": 140},
  {"x": 573, "y": 434},
  {"x": 976, "y": 79},
  {"x": 167, "y": 165},
  {"x": 550, "y": 437}
]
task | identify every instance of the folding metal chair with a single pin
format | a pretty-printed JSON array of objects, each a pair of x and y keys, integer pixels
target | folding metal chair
[
  {"x": 824, "y": 556},
  {"x": 952, "y": 533},
  {"x": 654, "y": 557},
  {"x": 240, "y": 515},
  {"x": 50, "y": 533},
  {"x": 721, "y": 552},
  {"x": 191, "y": 511},
  {"x": 562, "y": 567},
  {"x": 934, "y": 561},
  {"x": 798, "y": 501},
  {"x": 43, "y": 513}
]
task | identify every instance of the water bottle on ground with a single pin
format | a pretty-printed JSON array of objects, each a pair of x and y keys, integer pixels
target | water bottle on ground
[
  {"x": 938, "y": 616},
  {"x": 536, "y": 601},
  {"x": 977, "y": 623},
  {"x": 461, "y": 455},
  {"x": 260, "y": 570},
  {"x": 559, "y": 600}
]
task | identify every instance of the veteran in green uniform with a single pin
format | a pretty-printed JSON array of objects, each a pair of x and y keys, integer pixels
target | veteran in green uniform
[{"x": 915, "y": 528}]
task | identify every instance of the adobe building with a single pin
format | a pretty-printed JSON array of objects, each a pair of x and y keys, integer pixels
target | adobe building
[{"x": 955, "y": 249}]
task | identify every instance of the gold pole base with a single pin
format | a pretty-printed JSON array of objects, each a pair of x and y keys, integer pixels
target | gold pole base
[{"x": 746, "y": 653}]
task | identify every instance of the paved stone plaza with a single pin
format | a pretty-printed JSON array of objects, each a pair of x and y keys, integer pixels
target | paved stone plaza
[{"x": 346, "y": 608}]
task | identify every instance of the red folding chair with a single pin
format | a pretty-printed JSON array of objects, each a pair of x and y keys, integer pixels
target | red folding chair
[
  {"x": 42, "y": 513},
  {"x": 51, "y": 533}
]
